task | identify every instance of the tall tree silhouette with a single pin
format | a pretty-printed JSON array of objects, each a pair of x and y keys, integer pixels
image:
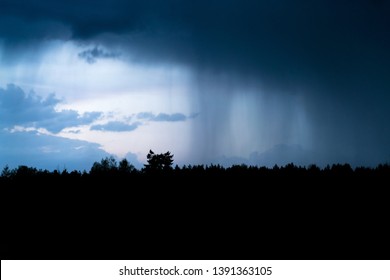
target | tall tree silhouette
[
  {"x": 107, "y": 165},
  {"x": 125, "y": 167},
  {"x": 158, "y": 162},
  {"x": 7, "y": 172}
]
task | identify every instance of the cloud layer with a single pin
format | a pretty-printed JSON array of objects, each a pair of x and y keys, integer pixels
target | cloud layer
[
  {"x": 18, "y": 108},
  {"x": 121, "y": 126},
  {"x": 47, "y": 152},
  {"x": 115, "y": 126},
  {"x": 162, "y": 117}
]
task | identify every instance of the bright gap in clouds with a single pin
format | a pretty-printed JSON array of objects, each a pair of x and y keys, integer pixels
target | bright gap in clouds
[
  {"x": 110, "y": 84},
  {"x": 60, "y": 69}
]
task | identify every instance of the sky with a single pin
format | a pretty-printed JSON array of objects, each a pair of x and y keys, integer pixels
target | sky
[{"x": 225, "y": 82}]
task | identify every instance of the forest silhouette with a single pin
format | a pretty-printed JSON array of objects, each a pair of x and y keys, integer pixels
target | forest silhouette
[{"x": 131, "y": 212}]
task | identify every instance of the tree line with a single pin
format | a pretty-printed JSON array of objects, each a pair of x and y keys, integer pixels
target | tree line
[{"x": 162, "y": 165}]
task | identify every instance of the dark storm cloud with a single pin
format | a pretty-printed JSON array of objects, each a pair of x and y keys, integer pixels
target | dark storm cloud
[
  {"x": 116, "y": 126},
  {"x": 20, "y": 108},
  {"x": 18, "y": 30},
  {"x": 92, "y": 55},
  {"x": 283, "y": 41}
]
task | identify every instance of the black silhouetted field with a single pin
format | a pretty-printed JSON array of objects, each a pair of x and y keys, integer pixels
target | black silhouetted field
[{"x": 116, "y": 211}]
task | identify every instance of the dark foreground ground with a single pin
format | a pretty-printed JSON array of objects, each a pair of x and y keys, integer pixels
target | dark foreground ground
[{"x": 288, "y": 213}]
